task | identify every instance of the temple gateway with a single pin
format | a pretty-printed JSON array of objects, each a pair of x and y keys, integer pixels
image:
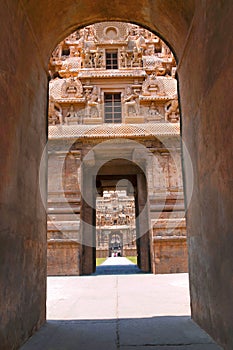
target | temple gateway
[{"x": 114, "y": 178}]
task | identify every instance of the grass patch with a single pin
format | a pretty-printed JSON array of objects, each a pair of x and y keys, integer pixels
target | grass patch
[
  {"x": 133, "y": 259},
  {"x": 100, "y": 261}
]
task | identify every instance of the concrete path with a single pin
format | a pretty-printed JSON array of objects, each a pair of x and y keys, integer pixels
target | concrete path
[
  {"x": 119, "y": 311},
  {"x": 117, "y": 266}
]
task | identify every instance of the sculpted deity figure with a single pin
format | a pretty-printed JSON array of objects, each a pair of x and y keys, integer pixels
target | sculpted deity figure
[
  {"x": 87, "y": 58},
  {"x": 154, "y": 113},
  {"x": 98, "y": 58},
  {"x": 131, "y": 40},
  {"x": 131, "y": 105},
  {"x": 123, "y": 57},
  {"x": 172, "y": 111},
  {"x": 141, "y": 42},
  {"x": 136, "y": 58},
  {"x": 71, "y": 116},
  {"x": 55, "y": 113},
  {"x": 90, "y": 34},
  {"x": 93, "y": 103}
]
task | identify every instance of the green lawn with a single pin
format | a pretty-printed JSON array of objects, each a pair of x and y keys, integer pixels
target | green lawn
[
  {"x": 133, "y": 259},
  {"x": 99, "y": 261}
]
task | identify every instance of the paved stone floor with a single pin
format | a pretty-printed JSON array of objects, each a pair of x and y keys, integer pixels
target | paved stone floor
[{"x": 119, "y": 308}]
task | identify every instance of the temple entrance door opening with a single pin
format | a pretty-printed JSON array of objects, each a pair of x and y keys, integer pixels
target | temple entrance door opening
[
  {"x": 116, "y": 244},
  {"x": 116, "y": 233},
  {"x": 115, "y": 218}
]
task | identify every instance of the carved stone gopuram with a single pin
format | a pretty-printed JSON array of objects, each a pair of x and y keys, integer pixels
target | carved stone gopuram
[{"x": 114, "y": 81}]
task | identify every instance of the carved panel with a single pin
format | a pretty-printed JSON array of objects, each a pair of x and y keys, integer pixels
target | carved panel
[
  {"x": 71, "y": 88},
  {"x": 110, "y": 31}
]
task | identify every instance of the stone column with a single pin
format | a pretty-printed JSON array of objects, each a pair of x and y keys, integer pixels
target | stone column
[
  {"x": 142, "y": 223},
  {"x": 87, "y": 216}
]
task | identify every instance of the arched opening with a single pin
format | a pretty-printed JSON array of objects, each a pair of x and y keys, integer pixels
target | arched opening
[
  {"x": 102, "y": 88},
  {"x": 123, "y": 175},
  {"x": 109, "y": 94}
]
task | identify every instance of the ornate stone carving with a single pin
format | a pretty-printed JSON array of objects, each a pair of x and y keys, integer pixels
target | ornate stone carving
[
  {"x": 123, "y": 58},
  {"x": 72, "y": 116},
  {"x": 152, "y": 86},
  {"x": 55, "y": 113},
  {"x": 136, "y": 60},
  {"x": 71, "y": 65},
  {"x": 87, "y": 58},
  {"x": 131, "y": 103},
  {"x": 72, "y": 88},
  {"x": 93, "y": 100},
  {"x": 172, "y": 111},
  {"x": 110, "y": 31},
  {"x": 83, "y": 49},
  {"x": 80, "y": 60},
  {"x": 98, "y": 58},
  {"x": 153, "y": 113}
]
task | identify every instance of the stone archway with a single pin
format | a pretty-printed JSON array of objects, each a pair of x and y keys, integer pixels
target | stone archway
[
  {"x": 122, "y": 169},
  {"x": 201, "y": 38},
  {"x": 112, "y": 172}
]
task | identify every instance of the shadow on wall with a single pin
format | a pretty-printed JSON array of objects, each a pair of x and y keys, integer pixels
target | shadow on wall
[
  {"x": 128, "y": 334},
  {"x": 117, "y": 270}
]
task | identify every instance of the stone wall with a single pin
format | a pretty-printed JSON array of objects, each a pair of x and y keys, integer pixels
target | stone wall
[
  {"x": 204, "y": 49},
  {"x": 163, "y": 187},
  {"x": 170, "y": 255},
  {"x": 207, "y": 132},
  {"x": 129, "y": 251},
  {"x": 64, "y": 258},
  {"x": 23, "y": 99},
  {"x": 102, "y": 253},
  {"x": 169, "y": 246}
]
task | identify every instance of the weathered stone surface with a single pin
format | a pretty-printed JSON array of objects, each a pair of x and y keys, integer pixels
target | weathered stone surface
[
  {"x": 207, "y": 131},
  {"x": 23, "y": 85},
  {"x": 29, "y": 32},
  {"x": 64, "y": 258},
  {"x": 170, "y": 255}
]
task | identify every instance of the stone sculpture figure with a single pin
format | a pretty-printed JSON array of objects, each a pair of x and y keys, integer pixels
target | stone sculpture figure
[
  {"x": 136, "y": 58},
  {"x": 93, "y": 103},
  {"x": 172, "y": 111},
  {"x": 153, "y": 112},
  {"x": 98, "y": 58},
  {"x": 87, "y": 58},
  {"x": 131, "y": 105},
  {"x": 71, "y": 116},
  {"x": 123, "y": 57},
  {"x": 54, "y": 113}
]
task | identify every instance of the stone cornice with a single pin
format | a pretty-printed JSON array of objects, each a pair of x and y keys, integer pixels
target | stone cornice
[
  {"x": 111, "y": 73},
  {"x": 113, "y": 130}
]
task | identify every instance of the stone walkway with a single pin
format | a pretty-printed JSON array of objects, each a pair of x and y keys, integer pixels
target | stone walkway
[
  {"x": 117, "y": 266},
  {"x": 122, "y": 310}
]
